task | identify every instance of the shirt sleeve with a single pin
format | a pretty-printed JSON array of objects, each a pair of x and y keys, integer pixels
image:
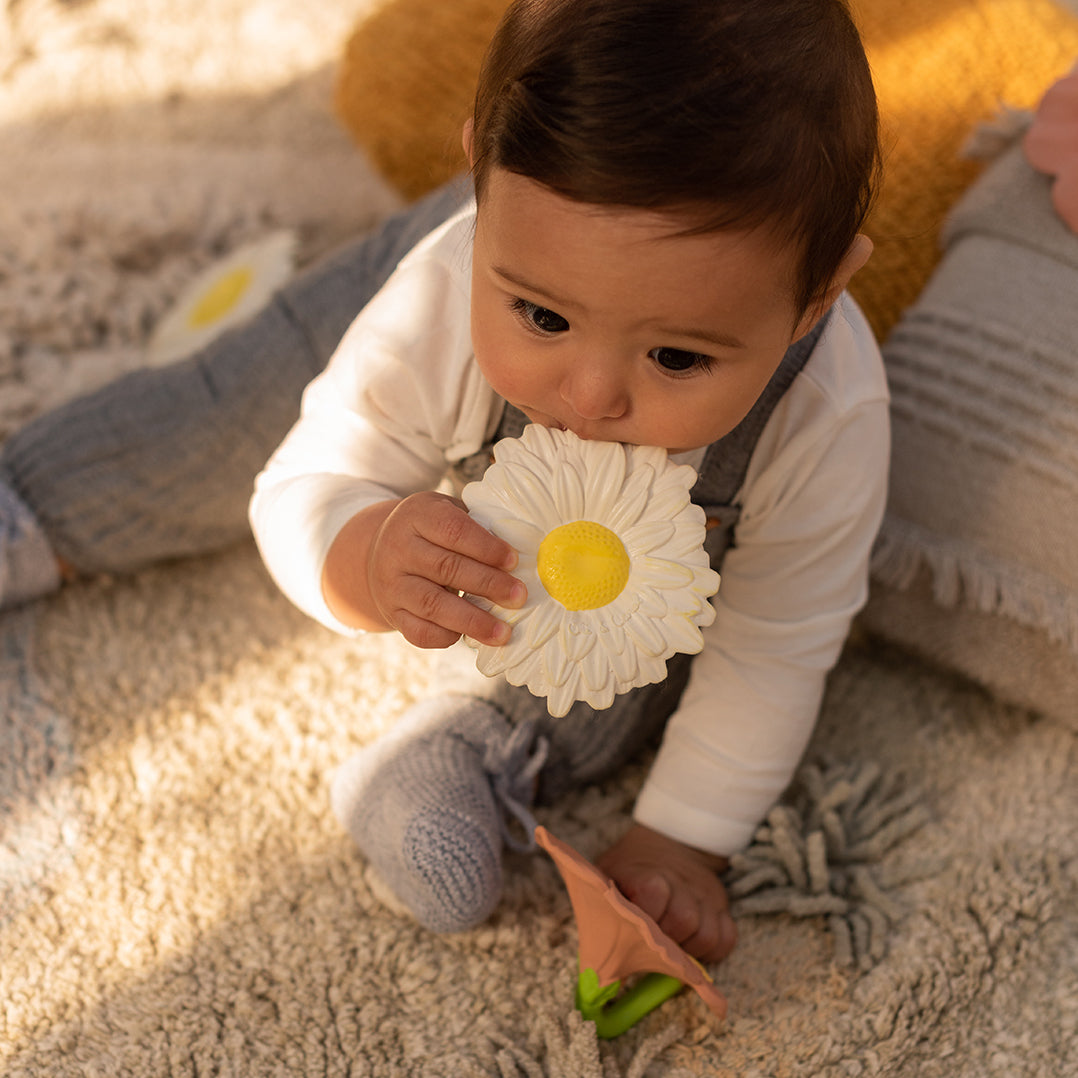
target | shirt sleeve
[
  {"x": 812, "y": 503},
  {"x": 400, "y": 398}
]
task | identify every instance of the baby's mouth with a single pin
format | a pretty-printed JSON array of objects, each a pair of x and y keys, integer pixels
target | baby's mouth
[{"x": 554, "y": 424}]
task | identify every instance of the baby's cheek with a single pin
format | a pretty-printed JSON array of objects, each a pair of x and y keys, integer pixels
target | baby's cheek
[{"x": 508, "y": 372}]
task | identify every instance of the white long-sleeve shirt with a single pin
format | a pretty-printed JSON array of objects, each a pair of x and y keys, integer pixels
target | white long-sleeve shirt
[{"x": 403, "y": 397}]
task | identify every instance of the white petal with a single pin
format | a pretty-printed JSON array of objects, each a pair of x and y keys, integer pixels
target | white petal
[
  {"x": 605, "y": 476},
  {"x": 705, "y": 615},
  {"x": 569, "y": 496},
  {"x": 707, "y": 581},
  {"x": 650, "y": 456},
  {"x": 510, "y": 617},
  {"x": 495, "y": 661},
  {"x": 651, "y": 670},
  {"x": 644, "y": 536},
  {"x": 667, "y": 502},
  {"x": 527, "y": 671},
  {"x": 492, "y": 661},
  {"x": 613, "y": 638},
  {"x": 660, "y": 573},
  {"x": 523, "y": 536},
  {"x": 577, "y": 644},
  {"x": 633, "y": 501},
  {"x": 561, "y": 698},
  {"x": 688, "y": 601},
  {"x": 683, "y": 475},
  {"x": 651, "y": 603},
  {"x": 595, "y": 669},
  {"x": 682, "y": 635},
  {"x": 538, "y": 441},
  {"x": 647, "y": 635},
  {"x": 684, "y": 547},
  {"x": 527, "y": 573},
  {"x": 695, "y": 558},
  {"x": 599, "y": 699},
  {"x": 686, "y": 544},
  {"x": 556, "y": 667},
  {"x": 704, "y": 585},
  {"x": 507, "y": 451},
  {"x": 526, "y": 491},
  {"x": 624, "y": 661},
  {"x": 544, "y": 623},
  {"x": 488, "y": 497}
]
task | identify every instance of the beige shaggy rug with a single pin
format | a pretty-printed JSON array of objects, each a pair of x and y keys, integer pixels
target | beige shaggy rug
[{"x": 175, "y": 896}]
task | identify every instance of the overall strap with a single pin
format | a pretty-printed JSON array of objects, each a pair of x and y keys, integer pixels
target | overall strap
[
  {"x": 726, "y": 462},
  {"x": 471, "y": 469}
]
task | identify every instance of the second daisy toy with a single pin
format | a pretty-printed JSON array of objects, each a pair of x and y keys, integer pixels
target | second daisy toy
[{"x": 611, "y": 551}]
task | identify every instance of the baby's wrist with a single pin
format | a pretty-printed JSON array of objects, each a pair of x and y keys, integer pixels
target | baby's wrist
[
  {"x": 346, "y": 585},
  {"x": 641, "y": 833}
]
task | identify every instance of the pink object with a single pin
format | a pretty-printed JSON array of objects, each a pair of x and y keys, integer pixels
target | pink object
[
  {"x": 616, "y": 937},
  {"x": 1051, "y": 144}
]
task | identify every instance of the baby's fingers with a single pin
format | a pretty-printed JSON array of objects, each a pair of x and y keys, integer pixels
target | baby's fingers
[
  {"x": 433, "y": 617},
  {"x": 452, "y": 570},
  {"x": 465, "y": 557},
  {"x": 448, "y": 527},
  {"x": 428, "y": 552}
]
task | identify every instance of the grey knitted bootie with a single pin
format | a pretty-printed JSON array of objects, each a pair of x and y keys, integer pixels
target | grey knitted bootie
[{"x": 427, "y": 806}]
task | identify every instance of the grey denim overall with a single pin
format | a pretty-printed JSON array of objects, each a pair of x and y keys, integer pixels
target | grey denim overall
[{"x": 585, "y": 745}]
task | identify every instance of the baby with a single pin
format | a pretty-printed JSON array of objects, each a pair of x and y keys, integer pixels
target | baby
[{"x": 667, "y": 203}]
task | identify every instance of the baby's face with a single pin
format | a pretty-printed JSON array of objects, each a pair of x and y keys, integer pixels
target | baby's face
[{"x": 603, "y": 322}]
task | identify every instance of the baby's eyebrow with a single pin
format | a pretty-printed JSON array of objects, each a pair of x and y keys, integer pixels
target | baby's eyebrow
[
  {"x": 720, "y": 340},
  {"x": 534, "y": 289}
]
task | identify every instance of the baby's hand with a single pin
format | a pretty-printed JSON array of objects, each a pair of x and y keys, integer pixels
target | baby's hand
[
  {"x": 401, "y": 565},
  {"x": 678, "y": 886}
]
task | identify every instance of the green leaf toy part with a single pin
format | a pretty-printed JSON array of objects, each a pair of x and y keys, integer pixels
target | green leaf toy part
[
  {"x": 612, "y": 1013},
  {"x": 617, "y": 939}
]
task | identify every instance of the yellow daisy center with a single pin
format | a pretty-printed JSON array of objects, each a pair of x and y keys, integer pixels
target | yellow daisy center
[
  {"x": 220, "y": 298},
  {"x": 583, "y": 565}
]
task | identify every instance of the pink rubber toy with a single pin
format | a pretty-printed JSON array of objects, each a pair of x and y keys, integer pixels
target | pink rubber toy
[{"x": 617, "y": 939}]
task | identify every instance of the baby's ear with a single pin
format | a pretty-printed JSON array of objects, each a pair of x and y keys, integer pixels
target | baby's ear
[
  {"x": 466, "y": 140},
  {"x": 857, "y": 255}
]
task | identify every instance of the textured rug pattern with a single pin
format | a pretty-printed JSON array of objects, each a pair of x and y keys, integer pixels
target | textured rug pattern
[
  {"x": 186, "y": 902},
  {"x": 175, "y": 896}
]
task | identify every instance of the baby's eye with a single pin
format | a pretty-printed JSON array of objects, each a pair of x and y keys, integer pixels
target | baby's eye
[
  {"x": 540, "y": 318},
  {"x": 676, "y": 361}
]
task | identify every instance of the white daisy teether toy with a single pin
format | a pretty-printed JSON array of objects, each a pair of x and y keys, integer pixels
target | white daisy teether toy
[{"x": 611, "y": 551}]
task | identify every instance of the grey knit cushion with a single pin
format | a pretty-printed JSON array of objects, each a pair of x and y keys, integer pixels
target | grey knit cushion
[{"x": 977, "y": 561}]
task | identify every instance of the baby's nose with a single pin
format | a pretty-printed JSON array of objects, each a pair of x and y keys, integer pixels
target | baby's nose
[{"x": 595, "y": 390}]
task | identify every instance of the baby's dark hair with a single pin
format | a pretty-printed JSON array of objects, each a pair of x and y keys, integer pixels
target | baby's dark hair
[{"x": 731, "y": 113}]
